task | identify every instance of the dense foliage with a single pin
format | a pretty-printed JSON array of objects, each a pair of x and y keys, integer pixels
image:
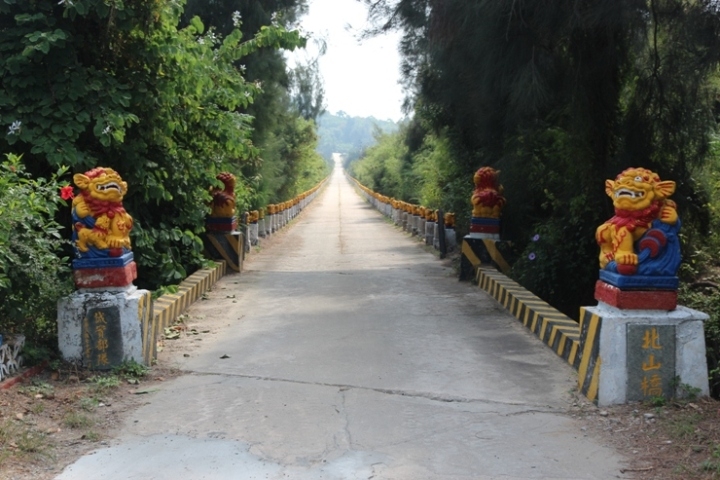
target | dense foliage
[
  {"x": 559, "y": 99},
  {"x": 167, "y": 102},
  {"x": 287, "y": 157},
  {"x": 118, "y": 84},
  {"x": 32, "y": 276}
]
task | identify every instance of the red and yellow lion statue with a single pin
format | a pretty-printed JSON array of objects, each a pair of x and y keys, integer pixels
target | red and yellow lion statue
[
  {"x": 101, "y": 224},
  {"x": 640, "y": 198},
  {"x": 487, "y": 198}
]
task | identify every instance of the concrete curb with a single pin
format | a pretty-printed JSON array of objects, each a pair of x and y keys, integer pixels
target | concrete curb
[
  {"x": 168, "y": 307},
  {"x": 555, "y": 329}
]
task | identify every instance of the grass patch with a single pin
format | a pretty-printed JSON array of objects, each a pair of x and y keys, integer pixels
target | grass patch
[
  {"x": 131, "y": 369},
  {"x": 91, "y": 436},
  {"x": 38, "y": 387},
  {"x": 76, "y": 420},
  {"x": 103, "y": 384},
  {"x": 19, "y": 440},
  {"x": 89, "y": 404},
  {"x": 683, "y": 426}
]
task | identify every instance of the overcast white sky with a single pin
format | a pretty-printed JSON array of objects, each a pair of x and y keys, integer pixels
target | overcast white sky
[{"x": 360, "y": 78}]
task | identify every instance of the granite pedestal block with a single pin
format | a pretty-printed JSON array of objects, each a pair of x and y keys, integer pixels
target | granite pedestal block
[
  {"x": 101, "y": 330},
  {"x": 629, "y": 355}
]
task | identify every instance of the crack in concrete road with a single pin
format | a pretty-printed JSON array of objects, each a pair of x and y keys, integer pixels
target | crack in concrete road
[{"x": 535, "y": 408}]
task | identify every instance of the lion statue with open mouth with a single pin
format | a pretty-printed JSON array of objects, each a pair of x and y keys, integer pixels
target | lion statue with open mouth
[
  {"x": 101, "y": 224},
  {"x": 645, "y": 221}
]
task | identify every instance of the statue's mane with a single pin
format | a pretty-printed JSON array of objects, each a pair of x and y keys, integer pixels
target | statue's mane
[
  {"x": 636, "y": 218},
  {"x": 99, "y": 207}
]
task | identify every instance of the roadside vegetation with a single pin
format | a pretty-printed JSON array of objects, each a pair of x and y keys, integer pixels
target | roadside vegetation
[
  {"x": 46, "y": 422},
  {"x": 559, "y": 100},
  {"x": 168, "y": 93}
]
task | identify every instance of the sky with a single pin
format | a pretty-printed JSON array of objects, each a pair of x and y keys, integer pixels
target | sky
[{"x": 361, "y": 78}]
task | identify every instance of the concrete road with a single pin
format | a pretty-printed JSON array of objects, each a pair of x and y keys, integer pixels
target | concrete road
[{"x": 347, "y": 351}]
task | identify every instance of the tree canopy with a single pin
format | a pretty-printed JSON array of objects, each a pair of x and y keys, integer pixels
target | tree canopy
[
  {"x": 122, "y": 84},
  {"x": 559, "y": 97}
]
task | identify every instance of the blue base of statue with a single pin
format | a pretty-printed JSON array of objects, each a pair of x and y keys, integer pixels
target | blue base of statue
[
  {"x": 103, "y": 262},
  {"x": 640, "y": 282}
]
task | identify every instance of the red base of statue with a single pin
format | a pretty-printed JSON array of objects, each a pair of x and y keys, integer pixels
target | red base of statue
[
  {"x": 105, "y": 277},
  {"x": 635, "y": 299},
  {"x": 484, "y": 229}
]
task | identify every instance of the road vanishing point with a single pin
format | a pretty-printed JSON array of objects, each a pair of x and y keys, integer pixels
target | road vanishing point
[{"x": 346, "y": 350}]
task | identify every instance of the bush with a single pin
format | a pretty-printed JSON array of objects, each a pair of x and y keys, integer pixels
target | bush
[{"x": 33, "y": 272}]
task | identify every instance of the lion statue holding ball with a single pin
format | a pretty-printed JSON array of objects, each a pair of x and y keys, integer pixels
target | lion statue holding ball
[
  {"x": 642, "y": 236},
  {"x": 101, "y": 226}
]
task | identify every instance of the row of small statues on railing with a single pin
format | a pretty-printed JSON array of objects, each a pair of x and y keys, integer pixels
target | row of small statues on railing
[
  {"x": 428, "y": 214},
  {"x": 417, "y": 220},
  {"x": 640, "y": 241},
  {"x": 101, "y": 226}
]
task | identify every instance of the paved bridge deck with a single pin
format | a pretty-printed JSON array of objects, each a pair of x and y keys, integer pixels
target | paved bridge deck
[{"x": 351, "y": 352}]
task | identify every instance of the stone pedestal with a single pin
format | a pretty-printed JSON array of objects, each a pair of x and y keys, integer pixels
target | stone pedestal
[
  {"x": 421, "y": 226},
  {"x": 450, "y": 239},
  {"x": 272, "y": 224},
  {"x": 429, "y": 233},
  {"x": 636, "y": 355},
  {"x": 229, "y": 247},
  {"x": 253, "y": 233},
  {"x": 397, "y": 216},
  {"x": 102, "y": 330}
]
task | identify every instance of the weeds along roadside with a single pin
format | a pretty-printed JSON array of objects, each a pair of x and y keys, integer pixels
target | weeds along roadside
[{"x": 64, "y": 408}]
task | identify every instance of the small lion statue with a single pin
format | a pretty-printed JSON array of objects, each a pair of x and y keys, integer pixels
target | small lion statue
[
  {"x": 642, "y": 236},
  {"x": 223, "y": 200},
  {"x": 101, "y": 226},
  {"x": 487, "y": 198}
]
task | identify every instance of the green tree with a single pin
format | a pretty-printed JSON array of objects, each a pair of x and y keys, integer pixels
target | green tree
[
  {"x": 282, "y": 96},
  {"x": 559, "y": 99},
  {"x": 118, "y": 84}
]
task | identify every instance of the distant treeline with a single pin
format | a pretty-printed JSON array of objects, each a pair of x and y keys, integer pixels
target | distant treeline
[{"x": 341, "y": 133}]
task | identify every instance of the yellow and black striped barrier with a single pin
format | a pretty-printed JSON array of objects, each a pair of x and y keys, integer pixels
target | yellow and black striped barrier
[
  {"x": 590, "y": 363},
  {"x": 228, "y": 247},
  {"x": 556, "y": 330},
  {"x": 167, "y": 308},
  {"x": 478, "y": 251}
]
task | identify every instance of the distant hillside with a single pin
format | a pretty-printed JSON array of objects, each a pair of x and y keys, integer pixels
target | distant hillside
[{"x": 348, "y": 135}]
